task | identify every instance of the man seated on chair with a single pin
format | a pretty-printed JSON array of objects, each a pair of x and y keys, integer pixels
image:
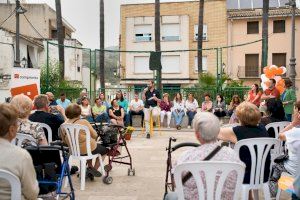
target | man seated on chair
[
  {"x": 207, "y": 128},
  {"x": 73, "y": 113},
  {"x": 136, "y": 108},
  {"x": 151, "y": 97},
  {"x": 15, "y": 159},
  {"x": 100, "y": 112},
  {"x": 42, "y": 115}
]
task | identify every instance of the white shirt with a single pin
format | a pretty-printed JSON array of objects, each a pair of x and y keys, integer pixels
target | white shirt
[
  {"x": 136, "y": 104},
  {"x": 19, "y": 162},
  {"x": 191, "y": 105},
  {"x": 86, "y": 111},
  {"x": 292, "y": 142},
  {"x": 178, "y": 106}
]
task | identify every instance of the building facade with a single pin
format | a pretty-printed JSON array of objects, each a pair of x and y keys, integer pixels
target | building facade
[
  {"x": 33, "y": 45},
  {"x": 179, "y": 25},
  {"x": 245, "y": 25}
]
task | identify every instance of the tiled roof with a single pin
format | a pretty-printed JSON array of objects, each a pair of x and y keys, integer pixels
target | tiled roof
[{"x": 258, "y": 13}]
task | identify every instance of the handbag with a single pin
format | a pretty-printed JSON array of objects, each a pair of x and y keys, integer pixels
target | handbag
[{"x": 281, "y": 158}]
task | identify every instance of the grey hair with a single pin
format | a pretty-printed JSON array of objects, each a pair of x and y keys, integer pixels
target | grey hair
[{"x": 207, "y": 125}]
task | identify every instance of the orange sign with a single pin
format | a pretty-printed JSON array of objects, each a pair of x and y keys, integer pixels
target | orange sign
[{"x": 29, "y": 90}]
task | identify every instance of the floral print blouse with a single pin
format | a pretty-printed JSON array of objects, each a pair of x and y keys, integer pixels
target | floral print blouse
[{"x": 198, "y": 154}]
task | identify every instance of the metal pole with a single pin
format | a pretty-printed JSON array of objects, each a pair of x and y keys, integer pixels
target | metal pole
[
  {"x": 221, "y": 69},
  {"x": 293, "y": 58},
  {"x": 90, "y": 74},
  {"x": 47, "y": 78},
  {"x": 17, "y": 61},
  {"x": 217, "y": 55}
]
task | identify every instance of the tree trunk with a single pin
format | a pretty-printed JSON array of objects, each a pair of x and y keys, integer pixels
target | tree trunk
[
  {"x": 101, "y": 75},
  {"x": 264, "y": 57},
  {"x": 200, "y": 36},
  {"x": 60, "y": 38},
  {"x": 157, "y": 40}
]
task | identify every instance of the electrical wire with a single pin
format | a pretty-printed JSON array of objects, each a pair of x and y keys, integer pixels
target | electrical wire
[
  {"x": 11, "y": 14},
  {"x": 33, "y": 27}
]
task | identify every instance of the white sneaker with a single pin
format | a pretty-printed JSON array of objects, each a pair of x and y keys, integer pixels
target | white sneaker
[
  {"x": 169, "y": 127},
  {"x": 189, "y": 127}
]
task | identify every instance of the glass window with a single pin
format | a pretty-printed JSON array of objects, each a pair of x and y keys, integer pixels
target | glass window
[
  {"x": 204, "y": 63},
  {"x": 170, "y": 32},
  {"x": 143, "y": 33},
  {"x": 170, "y": 63},
  {"x": 141, "y": 64},
  {"x": 278, "y": 26},
  {"x": 251, "y": 65},
  {"x": 253, "y": 27},
  {"x": 204, "y": 32}
]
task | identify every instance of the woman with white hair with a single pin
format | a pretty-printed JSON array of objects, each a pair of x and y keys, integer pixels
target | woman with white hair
[
  {"x": 207, "y": 127},
  {"x": 24, "y": 106}
]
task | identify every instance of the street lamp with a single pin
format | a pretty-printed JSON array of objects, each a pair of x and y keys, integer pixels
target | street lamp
[
  {"x": 19, "y": 10},
  {"x": 24, "y": 62},
  {"x": 292, "y": 4}
]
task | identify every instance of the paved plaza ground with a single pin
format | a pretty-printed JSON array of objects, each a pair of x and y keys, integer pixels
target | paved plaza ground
[{"x": 149, "y": 160}]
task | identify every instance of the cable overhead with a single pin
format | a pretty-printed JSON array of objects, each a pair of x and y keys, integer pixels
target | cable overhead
[
  {"x": 33, "y": 27},
  {"x": 11, "y": 14}
]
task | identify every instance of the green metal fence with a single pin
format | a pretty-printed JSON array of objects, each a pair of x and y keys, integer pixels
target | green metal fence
[{"x": 199, "y": 93}]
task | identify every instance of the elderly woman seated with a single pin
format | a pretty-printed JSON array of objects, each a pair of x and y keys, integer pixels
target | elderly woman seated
[
  {"x": 206, "y": 130},
  {"x": 249, "y": 117},
  {"x": 14, "y": 159},
  {"x": 73, "y": 113},
  {"x": 24, "y": 106}
]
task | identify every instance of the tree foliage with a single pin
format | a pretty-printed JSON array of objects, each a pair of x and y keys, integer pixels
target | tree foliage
[{"x": 50, "y": 82}]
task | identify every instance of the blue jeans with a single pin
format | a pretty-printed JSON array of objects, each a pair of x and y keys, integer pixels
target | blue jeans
[
  {"x": 191, "y": 115},
  {"x": 103, "y": 118},
  {"x": 288, "y": 117},
  {"x": 178, "y": 117},
  {"x": 89, "y": 118}
]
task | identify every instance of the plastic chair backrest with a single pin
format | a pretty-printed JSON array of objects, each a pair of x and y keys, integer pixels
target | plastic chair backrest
[
  {"x": 277, "y": 126},
  {"x": 49, "y": 131},
  {"x": 21, "y": 137},
  {"x": 14, "y": 182},
  {"x": 72, "y": 132},
  {"x": 210, "y": 169},
  {"x": 263, "y": 147}
]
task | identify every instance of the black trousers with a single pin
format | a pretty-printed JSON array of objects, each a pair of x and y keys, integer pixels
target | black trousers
[{"x": 131, "y": 113}]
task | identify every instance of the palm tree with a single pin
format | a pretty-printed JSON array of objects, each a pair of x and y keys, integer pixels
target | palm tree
[
  {"x": 60, "y": 38},
  {"x": 200, "y": 35},
  {"x": 157, "y": 40},
  {"x": 264, "y": 60},
  {"x": 101, "y": 57}
]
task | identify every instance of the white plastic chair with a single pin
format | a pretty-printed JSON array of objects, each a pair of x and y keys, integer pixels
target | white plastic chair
[
  {"x": 278, "y": 127},
  {"x": 263, "y": 146},
  {"x": 14, "y": 182},
  {"x": 72, "y": 132},
  {"x": 21, "y": 137},
  {"x": 210, "y": 169},
  {"x": 49, "y": 131}
]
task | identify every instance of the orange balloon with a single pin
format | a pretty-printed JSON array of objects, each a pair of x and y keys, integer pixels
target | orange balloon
[
  {"x": 273, "y": 71},
  {"x": 269, "y": 74},
  {"x": 279, "y": 71}
]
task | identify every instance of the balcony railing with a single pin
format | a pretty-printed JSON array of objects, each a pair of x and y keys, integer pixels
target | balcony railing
[{"x": 248, "y": 72}]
